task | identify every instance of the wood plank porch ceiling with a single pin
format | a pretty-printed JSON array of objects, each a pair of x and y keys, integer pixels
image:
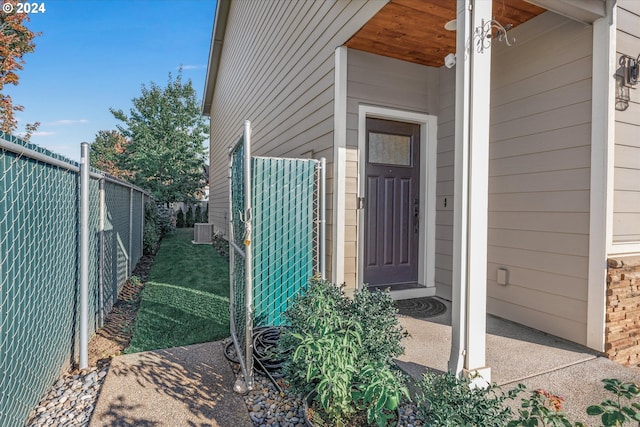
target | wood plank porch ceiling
[{"x": 413, "y": 30}]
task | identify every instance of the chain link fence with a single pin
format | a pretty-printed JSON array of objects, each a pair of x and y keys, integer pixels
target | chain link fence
[
  {"x": 276, "y": 234},
  {"x": 240, "y": 254},
  {"x": 39, "y": 270}
]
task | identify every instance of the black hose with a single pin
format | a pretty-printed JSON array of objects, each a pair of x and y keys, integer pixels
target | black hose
[{"x": 268, "y": 360}]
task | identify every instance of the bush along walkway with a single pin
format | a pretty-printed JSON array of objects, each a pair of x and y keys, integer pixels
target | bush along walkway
[{"x": 186, "y": 299}]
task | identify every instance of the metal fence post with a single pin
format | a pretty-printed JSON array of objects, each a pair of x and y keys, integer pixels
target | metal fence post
[
  {"x": 84, "y": 255},
  {"x": 130, "y": 231},
  {"x": 141, "y": 225},
  {"x": 101, "y": 251},
  {"x": 247, "y": 251},
  {"x": 323, "y": 196}
]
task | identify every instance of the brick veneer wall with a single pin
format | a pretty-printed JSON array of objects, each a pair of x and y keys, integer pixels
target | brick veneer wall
[{"x": 622, "y": 332}]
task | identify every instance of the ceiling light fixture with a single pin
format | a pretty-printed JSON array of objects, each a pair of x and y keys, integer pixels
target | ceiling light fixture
[{"x": 450, "y": 60}]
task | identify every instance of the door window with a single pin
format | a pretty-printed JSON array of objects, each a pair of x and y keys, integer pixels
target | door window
[{"x": 389, "y": 149}]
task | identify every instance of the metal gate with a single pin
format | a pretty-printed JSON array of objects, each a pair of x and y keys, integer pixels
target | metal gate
[{"x": 276, "y": 238}]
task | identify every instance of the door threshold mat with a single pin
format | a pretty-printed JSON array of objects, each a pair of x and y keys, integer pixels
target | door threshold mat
[{"x": 421, "y": 308}]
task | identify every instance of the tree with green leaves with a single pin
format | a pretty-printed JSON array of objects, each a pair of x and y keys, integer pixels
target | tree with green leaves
[
  {"x": 197, "y": 215},
  {"x": 188, "y": 218},
  {"x": 166, "y": 133},
  {"x": 107, "y": 153}
]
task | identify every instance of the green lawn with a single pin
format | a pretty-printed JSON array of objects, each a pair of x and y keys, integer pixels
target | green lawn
[{"x": 186, "y": 299}]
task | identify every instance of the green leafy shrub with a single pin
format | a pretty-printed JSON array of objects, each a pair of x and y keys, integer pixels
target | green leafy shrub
[
  {"x": 319, "y": 308},
  {"x": 330, "y": 358},
  {"x": 337, "y": 355},
  {"x": 166, "y": 221},
  {"x": 197, "y": 216},
  {"x": 381, "y": 332},
  {"x": 188, "y": 218},
  {"x": 444, "y": 400},
  {"x": 611, "y": 412},
  {"x": 542, "y": 408},
  {"x": 180, "y": 219},
  {"x": 379, "y": 393},
  {"x": 151, "y": 237}
]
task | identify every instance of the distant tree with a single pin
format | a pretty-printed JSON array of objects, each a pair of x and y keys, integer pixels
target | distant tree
[
  {"x": 197, "y": 216},
  {"x": 166, "y": 132},
  {"x": 188, "y": 218},
  {"x": 16, "y": 40},
  {"x": 180, "y": 218},
  {"x": 108, "y": 153}
]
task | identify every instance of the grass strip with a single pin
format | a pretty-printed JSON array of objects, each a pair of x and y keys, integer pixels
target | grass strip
[{"x": 186, "y": 299}]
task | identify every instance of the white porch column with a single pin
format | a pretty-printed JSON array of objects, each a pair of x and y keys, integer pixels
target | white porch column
[
  {"x": 603, "y": 125},
  {"x": 473, "y": 85}
]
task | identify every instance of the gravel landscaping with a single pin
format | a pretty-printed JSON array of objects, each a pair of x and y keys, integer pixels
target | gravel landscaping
[
  {"x": 269, "y": 408},
  {"x": 71, "y": 400}
]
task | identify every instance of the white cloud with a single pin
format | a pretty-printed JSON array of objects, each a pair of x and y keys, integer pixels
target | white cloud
[
  {"x": 66, "y": 122},
  {"x": 192, "y": 67},
  {"x": 37, "y": 133}
]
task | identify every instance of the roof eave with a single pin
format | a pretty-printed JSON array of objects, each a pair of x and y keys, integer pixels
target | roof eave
[
  {"x": 585, "y": 11},
  {"x": 215, "y": 52}
]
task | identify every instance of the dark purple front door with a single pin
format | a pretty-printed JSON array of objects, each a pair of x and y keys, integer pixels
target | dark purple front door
[{"x": 391, "y": 217}]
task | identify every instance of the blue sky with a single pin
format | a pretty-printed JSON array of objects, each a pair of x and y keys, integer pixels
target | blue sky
[{"x": 96, "y": 54}]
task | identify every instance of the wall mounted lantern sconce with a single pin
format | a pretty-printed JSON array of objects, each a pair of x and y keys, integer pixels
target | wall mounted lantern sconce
[
  {"x": 490, "y": 30},
  {"x": 631, "y": 67},
  {"x": 627, "y": 76}
]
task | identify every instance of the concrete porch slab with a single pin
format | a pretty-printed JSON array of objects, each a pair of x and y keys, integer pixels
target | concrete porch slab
[
  {"x": 514, "y": 351},
  {"x": 518, "y": 354}
]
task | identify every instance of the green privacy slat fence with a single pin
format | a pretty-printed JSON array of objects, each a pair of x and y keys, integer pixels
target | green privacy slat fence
[
  {"x": 39, "y": 226},
  {"x": 115, "y": 240},
  {"x": 284, "y": 249},
  {"x": 280, "y": 231}
]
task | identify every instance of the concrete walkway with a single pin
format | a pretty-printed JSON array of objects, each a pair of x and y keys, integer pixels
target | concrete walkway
[
  {"x": 193, "y": 386},
  {"x": 517, "y": 354},
  {"x": 183, "y": 386}
]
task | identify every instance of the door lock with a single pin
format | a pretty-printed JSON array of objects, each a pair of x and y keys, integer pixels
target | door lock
[{"x": 360, "y": 202}]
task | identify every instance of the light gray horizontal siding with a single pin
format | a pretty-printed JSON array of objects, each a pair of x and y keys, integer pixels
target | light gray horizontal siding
[
  {"x": 384, "y": 82},
  {"x": 277, "y": 70},
  {"x": 387, "y": 82},
  {"x": 626, "y": 200},
  {"x": 540, "y": 176},
  {"x": 445, "y": 184}
]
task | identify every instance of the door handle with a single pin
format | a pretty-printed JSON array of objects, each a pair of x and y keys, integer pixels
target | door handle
[{"x": 416, "y": 215}]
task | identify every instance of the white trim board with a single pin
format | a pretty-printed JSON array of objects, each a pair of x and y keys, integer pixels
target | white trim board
[
  {"x": 339, "y": 164},
  {"x": 427, "y": 196},
  {"x": 623, "y": 249}
]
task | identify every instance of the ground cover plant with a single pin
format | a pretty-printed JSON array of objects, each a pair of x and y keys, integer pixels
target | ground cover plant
[
  {"x": 445, "y": 400},
  {"x": 186, "y": 299}
]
